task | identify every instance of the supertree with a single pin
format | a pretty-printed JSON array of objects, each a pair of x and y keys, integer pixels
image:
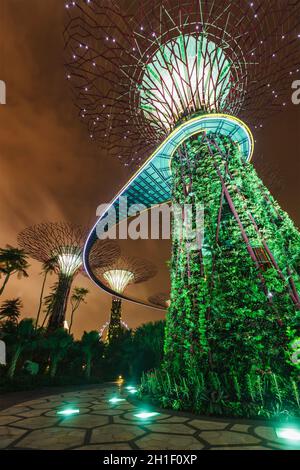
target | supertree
[
  {"x": 118, "y": 276},
  {"x": 62, "y": 243},
  {"x": 103, "y": 332},
  {"x": 161, "y": 299},
  {"x": 171, "y": 77}
]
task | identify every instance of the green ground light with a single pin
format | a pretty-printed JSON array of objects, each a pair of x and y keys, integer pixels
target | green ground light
[
  {"x": 290, "y": 434},
  {"x": 68, "y": 412},
  {"x": 146, "y": 414}
]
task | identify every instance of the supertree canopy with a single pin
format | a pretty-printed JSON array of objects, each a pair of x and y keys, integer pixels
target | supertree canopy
[
  {"x": 63, "y": 244},
  {"x": 119, "y": 275},
  {"x": 137, "y": 70},
  {"x": 185, "y": 80}
]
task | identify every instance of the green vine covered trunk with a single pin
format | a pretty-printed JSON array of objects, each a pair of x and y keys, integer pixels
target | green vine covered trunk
[
  {"x": 60, "y": 302},
  {"x": 234, "y": 297}
]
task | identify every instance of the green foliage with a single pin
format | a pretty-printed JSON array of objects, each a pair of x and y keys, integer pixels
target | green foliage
[
  {"x": 78, "y": 296},
  {"x": 12, "y": 261},
  {"x": 56, "y": 344},
  {"x": 10, "y": 310},
  {"x": 92, "y": 349},
  {"x": 233, "y": 315},
  {"x": 223, "y": 395}
]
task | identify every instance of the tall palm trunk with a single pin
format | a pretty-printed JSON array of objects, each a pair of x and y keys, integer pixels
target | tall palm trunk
[
  {"x": 71, "y": 320},
  {"x": 4, "y": 283},
  {"x": 41, "y": 300},
  {"x": 13, "y": 364}
]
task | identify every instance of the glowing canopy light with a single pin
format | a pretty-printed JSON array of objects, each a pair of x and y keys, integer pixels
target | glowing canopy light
[
  {"x": 118, "y": 279},
  {"x": 186, "y": 74},
  {"x": 69, "y": 260}
]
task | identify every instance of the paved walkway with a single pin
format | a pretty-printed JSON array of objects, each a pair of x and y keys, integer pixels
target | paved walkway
[{"x": 103, "y": 425}]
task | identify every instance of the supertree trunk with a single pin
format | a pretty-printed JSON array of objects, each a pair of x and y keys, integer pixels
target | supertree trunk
[
  {"x": 60, "y": 302},
  {"x": 234, "y": 299},
  {"x": 115, "y": 326}
]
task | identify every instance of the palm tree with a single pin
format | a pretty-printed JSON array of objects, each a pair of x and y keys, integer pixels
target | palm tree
[
  {"x": 91, "y": 346},
  {"x": 49, "y": 302},
  {"x": 57, "y": 343},
  {"x": 78, "y": 296},
  {"x": 49, "y": 267},
  {"x": 12, "y": 260},
  {"x": 21, "y": 338},
  {"x": 147, "y": 347},
  {"x": 10, "y": 310}
]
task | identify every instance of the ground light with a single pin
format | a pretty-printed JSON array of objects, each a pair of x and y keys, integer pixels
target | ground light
[
  {"x": 146, "y": 414},
  {"x": 130, "y": 387},
  {"x": 68, "y": 412},
  {"x": 132, "y": 390},
  {"x": 116, "y": 400},
  {"x": 289, "y": 434}
]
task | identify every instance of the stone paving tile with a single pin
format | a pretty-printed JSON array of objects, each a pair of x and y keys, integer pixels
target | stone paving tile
[
  {"x": 171, "y": 428},
  {"x": 47, "y": 406},
  {"x": 8, "y": 419},
  {"x": 156, "y": 441},
  {"x": 266, "y": 433},
  {"x": 176, "y": 419},
  {"x": 84, "y": 421},
  {"x": 115, "y": 427},
  {"x": 78, "y": 400},
  {"x": 100, "y": 406},
  {"x": 111, "y": 412},
  {"x": 13, "y": 410},
  {"x": 31, "y": 413},
  {"x": 207, "y": 425},
  {"x": 228, "y": 437},
  {"x": 53, "y": 439},
  {"x": 240, "y": 427},
  {"x": 38, "y": 422},
  {"x": 35, "y": 402},
  {"x": 8, "y": 435},
  {"x": 113, "y": 432}
]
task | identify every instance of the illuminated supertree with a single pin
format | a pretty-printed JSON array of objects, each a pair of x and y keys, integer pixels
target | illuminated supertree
[
  {"x": 103, "y": 332},
  {"x": 161, "y": 299},
  {"x": 118, "y": 276},
  {"x": 62, "y": 243},
  {"x": 175, "y": 77}
]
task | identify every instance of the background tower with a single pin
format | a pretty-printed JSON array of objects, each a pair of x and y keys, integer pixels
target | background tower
[
  {"x": 177, "y": 74},
  {"x": 62, "y": 243},
  {"x": 119, "y": 275}
]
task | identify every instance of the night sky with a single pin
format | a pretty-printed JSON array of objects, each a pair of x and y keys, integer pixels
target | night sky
[{"x": 50, "y": 171}]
